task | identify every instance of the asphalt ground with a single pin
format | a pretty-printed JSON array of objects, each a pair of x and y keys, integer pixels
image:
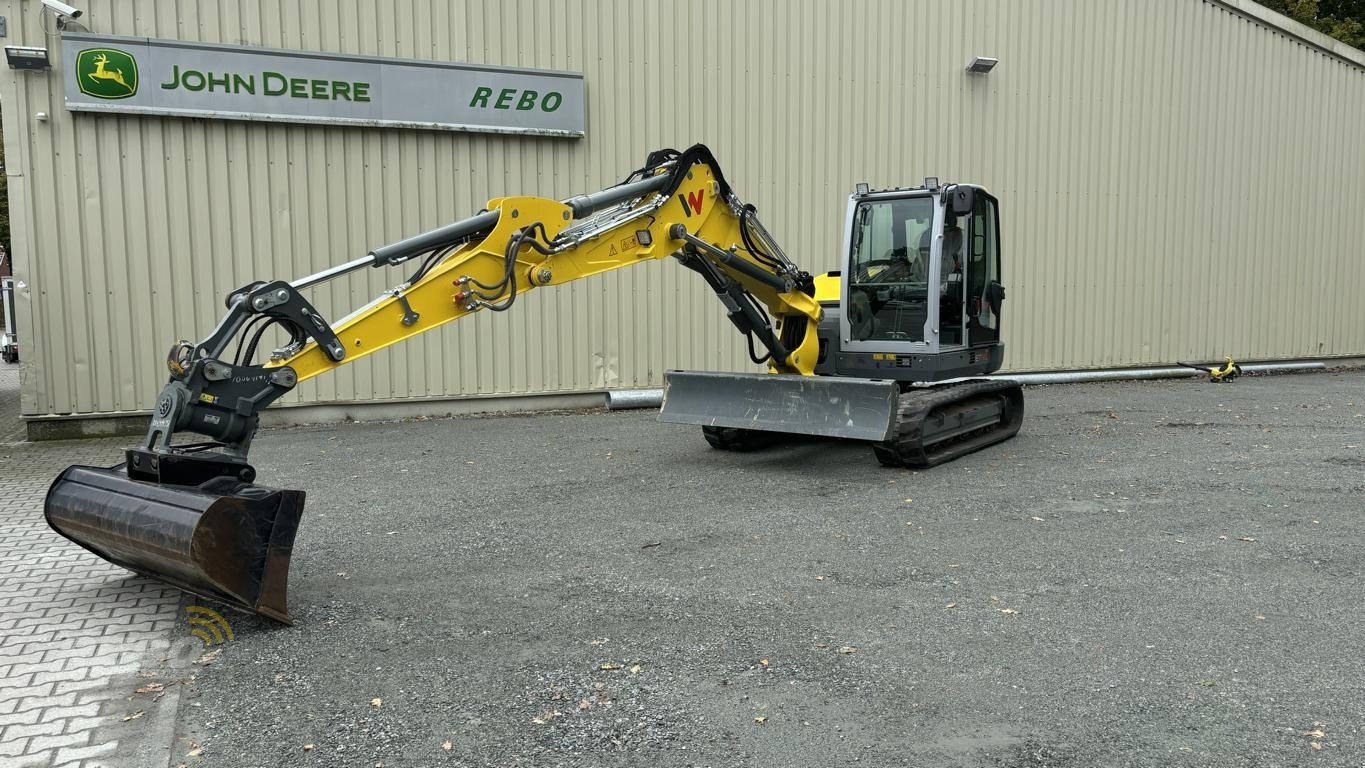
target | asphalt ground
[{"x": 1150, "y": 574}]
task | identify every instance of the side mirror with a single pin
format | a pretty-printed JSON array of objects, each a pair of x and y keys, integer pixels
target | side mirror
[{"x": 963, "y": 200}]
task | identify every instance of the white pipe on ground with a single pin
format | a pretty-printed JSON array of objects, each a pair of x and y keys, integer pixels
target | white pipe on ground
[
  {"x": 621, "y": 399},
  {"x": 1122, "y": 374}
]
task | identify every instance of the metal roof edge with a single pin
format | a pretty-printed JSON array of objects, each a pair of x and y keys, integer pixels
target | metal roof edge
[{"x": 1331, "y": 46}]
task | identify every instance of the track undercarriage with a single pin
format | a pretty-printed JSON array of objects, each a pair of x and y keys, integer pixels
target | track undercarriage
[{"x": 929, "y": 425}]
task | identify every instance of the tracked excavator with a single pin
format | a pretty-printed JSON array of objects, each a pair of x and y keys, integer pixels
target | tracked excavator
[{"x": 883, "y": 351}]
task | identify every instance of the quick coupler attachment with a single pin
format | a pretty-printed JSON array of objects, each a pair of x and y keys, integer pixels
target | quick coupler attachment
[{"x": 222, "y": 539}]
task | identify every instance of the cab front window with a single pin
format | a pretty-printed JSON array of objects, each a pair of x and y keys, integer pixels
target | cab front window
[{"x": 889, "y": 269}]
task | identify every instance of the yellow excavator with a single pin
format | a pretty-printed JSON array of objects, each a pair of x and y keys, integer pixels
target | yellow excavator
[{"x": 882, "y": 352}]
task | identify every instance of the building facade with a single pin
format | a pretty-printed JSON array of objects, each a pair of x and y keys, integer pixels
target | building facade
[{"x": 1178, "y": 180}]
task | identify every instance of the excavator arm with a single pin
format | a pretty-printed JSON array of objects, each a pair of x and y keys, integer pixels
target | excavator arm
[{"x": 190, "y": 513}]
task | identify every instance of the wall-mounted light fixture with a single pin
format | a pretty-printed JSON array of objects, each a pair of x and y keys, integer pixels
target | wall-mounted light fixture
[
  {"x": 981, "y": 65},
  {"x": 24, "y": 57}
]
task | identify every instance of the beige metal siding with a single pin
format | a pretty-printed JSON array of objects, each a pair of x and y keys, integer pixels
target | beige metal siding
[{"x": 1177, "y": 180}]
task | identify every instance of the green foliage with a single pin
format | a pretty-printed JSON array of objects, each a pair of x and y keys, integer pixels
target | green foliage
[{"x": 1341, "y": 19}]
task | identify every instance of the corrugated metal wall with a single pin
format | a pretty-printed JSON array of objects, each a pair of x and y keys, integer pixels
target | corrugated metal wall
[{"x": 1178, "y": 180}]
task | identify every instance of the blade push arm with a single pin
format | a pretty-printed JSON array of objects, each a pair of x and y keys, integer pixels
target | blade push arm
[{"x": 678, "y": 205}]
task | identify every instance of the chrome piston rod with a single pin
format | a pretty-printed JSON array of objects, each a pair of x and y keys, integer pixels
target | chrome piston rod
[{"x": 395, "y": 253}]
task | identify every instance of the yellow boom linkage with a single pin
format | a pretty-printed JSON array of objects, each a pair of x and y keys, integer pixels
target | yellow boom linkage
[{"x": 445, "y": 293}]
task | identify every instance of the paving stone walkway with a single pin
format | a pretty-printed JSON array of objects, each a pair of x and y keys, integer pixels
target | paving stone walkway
[{"x": 78, "y": 636}]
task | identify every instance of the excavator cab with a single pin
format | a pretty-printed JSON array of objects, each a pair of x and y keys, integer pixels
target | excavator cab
[{"x": 921, "y": 296}]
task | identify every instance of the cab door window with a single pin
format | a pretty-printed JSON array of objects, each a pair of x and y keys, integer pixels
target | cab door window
[{"x": 984, "y": 291}]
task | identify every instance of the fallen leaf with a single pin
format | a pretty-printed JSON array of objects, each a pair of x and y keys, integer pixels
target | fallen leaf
[
  {"x": 760, "y": 720},
  {"x": 1316, "y": 733},
  {"x": 210, "y": 656},
  {"x": 343, "y": 575},
  {"x": 610, "y": 667},
  {"x": 1037, "y": 519},
  {"x": 584, "y": 705},
  {"x": 376, "y": 703},
  {"x": 152, "y": 688},
  {"x": 1009, "y": 611},
  {"x": 950, "y": 605},
  {"x": 763, "y": 663},
  {"x": 1207, "y": 683},
  {"x": 133, "y": 716},
  {"x": 601, "y": 641},
  {"x": 1245, "y": 538},
  {"x": 635, "y": 670},
  {"x": 309, "y": 747},
  {"x": 1179, "y": 541},
  {"x": 819, "y": 578},
  {"x": 1315, "y": 745},
  {"x": 847, "y": 649},
  {"x": 447, "y": 745},
  {"x": 907, "y": 501},
  {"x": 1222, "y": 538},
  {"x": 195, "y": 750},
  {"x": 1259, "y": 617}
]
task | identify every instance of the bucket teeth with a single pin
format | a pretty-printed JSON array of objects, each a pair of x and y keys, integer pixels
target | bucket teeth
[{"x": 223, "y": 540}]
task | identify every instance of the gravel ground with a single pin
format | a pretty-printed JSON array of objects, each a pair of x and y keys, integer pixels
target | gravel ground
[{"x": 1150, "y": 574}]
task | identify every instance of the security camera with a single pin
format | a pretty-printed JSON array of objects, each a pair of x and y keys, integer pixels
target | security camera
[{"x": 62, "y": 9}]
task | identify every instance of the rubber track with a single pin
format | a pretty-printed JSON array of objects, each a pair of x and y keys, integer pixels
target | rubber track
[{"x": 906, "y": 449}]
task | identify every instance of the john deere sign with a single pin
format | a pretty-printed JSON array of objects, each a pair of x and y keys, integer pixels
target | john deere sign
[
  {"x": 106, "y": 73},
  {"x": 169, "y": 77}
]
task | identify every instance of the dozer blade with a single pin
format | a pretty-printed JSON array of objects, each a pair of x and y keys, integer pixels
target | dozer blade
[
  {"x": 224, "y": 540},
  {"x": 826, "y": 406}
]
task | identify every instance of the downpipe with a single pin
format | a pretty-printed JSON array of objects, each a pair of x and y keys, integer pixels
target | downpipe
[{"x": 625, "y": 399}]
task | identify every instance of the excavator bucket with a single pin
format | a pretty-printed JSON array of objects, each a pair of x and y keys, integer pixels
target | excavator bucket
[
  {"x": 826, "y": 406},
  {"x": 224, "y": 540}
]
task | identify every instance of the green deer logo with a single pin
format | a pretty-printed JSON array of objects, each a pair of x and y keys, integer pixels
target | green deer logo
[{"x": 106, "y": 73}]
